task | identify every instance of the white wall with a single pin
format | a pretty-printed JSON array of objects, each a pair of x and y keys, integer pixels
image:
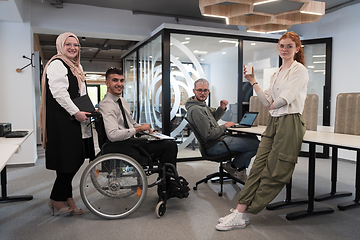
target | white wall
[
  {"x": 344, "y": 28},
  {"x": 223, "y": 76},
  {"x": 17, "y": 92}
]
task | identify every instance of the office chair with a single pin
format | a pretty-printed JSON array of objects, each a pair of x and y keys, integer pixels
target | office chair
[{"x": 219, "y": 158}]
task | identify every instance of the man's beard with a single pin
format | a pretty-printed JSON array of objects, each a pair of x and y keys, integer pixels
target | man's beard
[{"x": 200, "y": 99}]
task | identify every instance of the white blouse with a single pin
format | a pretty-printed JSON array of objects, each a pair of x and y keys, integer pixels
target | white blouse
[{"x": 290, "y": 85}]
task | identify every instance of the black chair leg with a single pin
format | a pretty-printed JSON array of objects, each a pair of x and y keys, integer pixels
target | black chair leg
[{"x": 221, "y": 175}]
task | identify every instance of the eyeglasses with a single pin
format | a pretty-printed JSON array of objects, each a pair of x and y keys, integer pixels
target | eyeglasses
[
  {"x": 202, "y": 90},
  {"x": 282, "y": 46},
  {"x": 76, "y": 45}
]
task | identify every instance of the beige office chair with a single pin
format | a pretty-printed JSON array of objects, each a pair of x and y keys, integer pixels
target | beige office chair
[
  {"x": 347, "y": 115},
  {"x": 257, "y": 106},
  {"x": 347, "y": 121},
  {"x": 310, "y": 113}
]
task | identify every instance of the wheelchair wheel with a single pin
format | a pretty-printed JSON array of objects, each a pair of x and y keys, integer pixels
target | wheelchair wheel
[
  {"x": 160, "y": 209},
  {"x": 113, "y": 186}
]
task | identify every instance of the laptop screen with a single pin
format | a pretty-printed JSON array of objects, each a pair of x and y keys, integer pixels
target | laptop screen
[{"x": 248, "y": 118}]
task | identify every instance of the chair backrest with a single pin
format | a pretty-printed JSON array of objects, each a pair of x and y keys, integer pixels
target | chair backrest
[
  {"x": 100, "y": 129},
  {"x": 310, "y": 113},
  {"x": 218, "y": 158},
  {"x": 347, "y": 115},
  {"x": 199, "y": 138},
  {"x": 197, "y": 134},
  {"x": 257, "y": 106}
]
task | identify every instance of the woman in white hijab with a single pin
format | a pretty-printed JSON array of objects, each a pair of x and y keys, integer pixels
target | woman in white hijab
[{"x": 63, "y": 125}]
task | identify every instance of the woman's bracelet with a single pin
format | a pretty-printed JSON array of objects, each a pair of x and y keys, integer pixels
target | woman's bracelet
[{"x": 254, "y": 83}]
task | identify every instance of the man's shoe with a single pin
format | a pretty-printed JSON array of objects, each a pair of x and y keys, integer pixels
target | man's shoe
[
  {"x": 241, "y": 175},
  {"x": 233, "y": 220},
  {"x": 232, "y": 171},
  {"x": 245, "y": 216}
]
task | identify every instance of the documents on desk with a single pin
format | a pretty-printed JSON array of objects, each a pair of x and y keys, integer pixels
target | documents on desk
[{"x": 158, "y": 136}]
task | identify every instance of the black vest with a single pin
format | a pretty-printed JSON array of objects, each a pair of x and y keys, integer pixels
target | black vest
[{"x": 64, "y": 148}]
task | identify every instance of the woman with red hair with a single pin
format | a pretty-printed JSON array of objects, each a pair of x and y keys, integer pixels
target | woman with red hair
[{"x": 281, "y": 141}]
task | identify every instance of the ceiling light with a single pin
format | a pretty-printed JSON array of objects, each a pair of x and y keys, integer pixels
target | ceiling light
[
  {"x": 186, "y": 42},
  {"x": 320, "y": 62},
  {"x": 228, "y": 41},
  {"x": 223, "y": 52},
  {"x": 200, "y": 52},
  {"x": 217, "y": 16},
  {"x": 202, "y": 59},
  {"x": 311, "y": 66},
  {"x": 253, "y": 44},
  {"x": 265, "y": 2},
  {"x": 277, "y": 31},
  {"x": 313, "y": 13},
  {"x": 187, "y": 38},
  {"x": 250, "y": 31},
  {"x": 322, "y": 71},
  {"x": 264, "y": 16},
  {"x": 319, "y": 56}
]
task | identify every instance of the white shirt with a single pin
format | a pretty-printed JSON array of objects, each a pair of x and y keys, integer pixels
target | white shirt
[
  {"x": 58, "y": 84},
  {"x": 113, "y": 119},
  {"x": 290, "y": 85}
]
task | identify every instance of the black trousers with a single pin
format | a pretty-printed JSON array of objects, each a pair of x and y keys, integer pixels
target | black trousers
[
  {"x": 62, "y": 189},
  {"x": 165, "y": 150}
]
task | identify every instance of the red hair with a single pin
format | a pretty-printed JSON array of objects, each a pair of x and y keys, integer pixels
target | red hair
[{"x": 299, "y": 56}]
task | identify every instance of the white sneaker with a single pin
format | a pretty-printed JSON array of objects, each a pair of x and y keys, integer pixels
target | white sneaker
[
  {"x": 245, "y": 217},
  {"x": 233, "y": 220}
]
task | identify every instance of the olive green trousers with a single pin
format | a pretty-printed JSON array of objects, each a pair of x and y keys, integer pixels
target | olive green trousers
[{"x": 275, "y": 161}]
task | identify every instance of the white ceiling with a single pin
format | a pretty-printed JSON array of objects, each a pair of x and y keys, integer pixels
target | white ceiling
[
  {"x": 111, "y": 50},
  {"x": 178, "y": 9}
]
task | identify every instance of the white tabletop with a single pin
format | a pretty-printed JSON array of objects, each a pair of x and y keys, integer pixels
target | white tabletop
[
  {"x": 8, "y": 146},
  {"x": 6, "y": 151},
  {"x": 16, "y": 141},
  {"x": 346, "y": 141}
]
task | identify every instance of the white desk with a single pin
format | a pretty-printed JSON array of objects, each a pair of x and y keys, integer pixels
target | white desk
[
  {"x": 6, "y": 150},
  {"x": 8, "y": 147},
  {"x": 334, "y": 140}
]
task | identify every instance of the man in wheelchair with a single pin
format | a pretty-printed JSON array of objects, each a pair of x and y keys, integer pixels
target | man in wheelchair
[{"x": 121, "y": 130}]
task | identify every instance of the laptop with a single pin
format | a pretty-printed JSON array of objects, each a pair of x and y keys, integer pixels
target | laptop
[{"x": 247, "y": 120}]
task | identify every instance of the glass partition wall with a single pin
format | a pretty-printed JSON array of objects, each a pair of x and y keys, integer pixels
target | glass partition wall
[{"x": 160, "y": 75}]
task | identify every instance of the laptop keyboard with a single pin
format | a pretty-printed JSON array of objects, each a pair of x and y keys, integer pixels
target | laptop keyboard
[{"x": 16, "y": 134}]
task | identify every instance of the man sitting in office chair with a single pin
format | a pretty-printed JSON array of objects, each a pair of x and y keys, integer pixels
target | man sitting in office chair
[
  {"x": 120, "y": 126},
  {"x": 205, "y": 120}
]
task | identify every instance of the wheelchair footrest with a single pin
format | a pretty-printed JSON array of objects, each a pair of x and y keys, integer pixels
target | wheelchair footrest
[{"x": 179, "y": 190}]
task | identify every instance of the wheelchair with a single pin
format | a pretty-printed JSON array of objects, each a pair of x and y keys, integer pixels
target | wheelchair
[{"x": 114, "y": 185}]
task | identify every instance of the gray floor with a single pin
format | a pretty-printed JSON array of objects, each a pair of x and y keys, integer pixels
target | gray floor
[{"x": 191, "y": 218}]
